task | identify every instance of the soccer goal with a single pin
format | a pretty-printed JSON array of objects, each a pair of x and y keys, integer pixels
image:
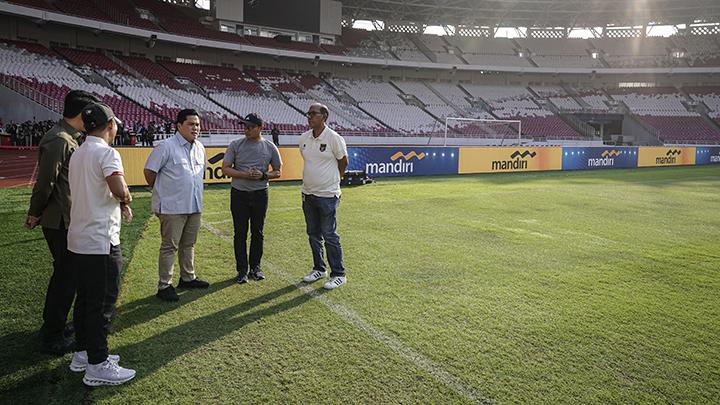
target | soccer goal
[{"x": 507, "y": 131}]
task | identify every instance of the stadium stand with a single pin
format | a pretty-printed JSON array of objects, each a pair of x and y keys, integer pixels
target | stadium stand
[
  {"x": 142, "y": 90},
  {"x": 516, "y": 103},
  {"x": 635, "y": 52},
  {"x": 54, "y": 77},
  {"x": 559, "y": 53},
  {"x": 699, "y": 50},
  {"x": 662, "y": 108},
  {"x": 485, "y": 51},
  {"x": 183, "y": 21},
  {"x": 361, "y": 43},
  {"x": 382, "y": 101},
  {"x": 400, "y": 45},
  {"x": 595, "y": 99},
  {"x": 442, "y": 52},
  {"x": 710, "y": 96},
  {"x": 151, "y": 70}
]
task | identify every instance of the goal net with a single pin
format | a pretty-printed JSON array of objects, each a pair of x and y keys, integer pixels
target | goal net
[{"x": 507, "y": 132}]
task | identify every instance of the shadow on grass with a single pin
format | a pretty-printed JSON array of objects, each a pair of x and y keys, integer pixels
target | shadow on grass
[
  {"x": 149, "y": 355},
  {"x": 20, "y": 242},
  {"x": 157, "y": 351},
  {"x": 140, "y": 311},
  {"x": 25, "y": 345}
]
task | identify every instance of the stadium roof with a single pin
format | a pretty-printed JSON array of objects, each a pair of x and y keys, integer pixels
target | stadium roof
[{"x": 534, "y": 13}]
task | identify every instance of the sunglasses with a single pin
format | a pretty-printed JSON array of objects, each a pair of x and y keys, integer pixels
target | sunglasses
[{"x": 310, "y": 114}]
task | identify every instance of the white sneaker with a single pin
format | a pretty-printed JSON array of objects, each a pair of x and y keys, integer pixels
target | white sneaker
[
  {"x": 314, "y": 275},
  {"x": 335, "y": 282},
  {"x": 79, "y": 361},
  {"x": 107, "y": 373}
]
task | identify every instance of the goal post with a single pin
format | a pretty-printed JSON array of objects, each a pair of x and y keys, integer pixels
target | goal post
[{"x": 461, "y": 127}]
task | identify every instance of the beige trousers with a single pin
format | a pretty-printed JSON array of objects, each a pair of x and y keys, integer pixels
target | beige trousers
[{"x": 179, "y": 233}]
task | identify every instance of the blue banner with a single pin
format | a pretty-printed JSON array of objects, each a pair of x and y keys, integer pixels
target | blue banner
[
  {"x": 606, "y": 157},
  {"x": 707, "y": 155},
  {"x": 403, "y": 161}
]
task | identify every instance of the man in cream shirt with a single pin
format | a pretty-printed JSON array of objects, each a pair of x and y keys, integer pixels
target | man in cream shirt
[{"x": 325, "y": 160}]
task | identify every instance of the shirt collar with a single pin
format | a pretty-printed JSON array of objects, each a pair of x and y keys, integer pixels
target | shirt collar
[
  {"x": 70, "y": 129},
  {"x": 182, "y": 141},
  {"x": 321, "y": 136},
  {"x": 95, "y": 139}
]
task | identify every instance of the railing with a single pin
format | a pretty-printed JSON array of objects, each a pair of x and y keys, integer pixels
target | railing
[{"x": 31, "y": 93}]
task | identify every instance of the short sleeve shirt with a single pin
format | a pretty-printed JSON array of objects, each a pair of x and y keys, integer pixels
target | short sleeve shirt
[
  {"x": 180, "y": 166},
  {"x": 320, "y": 169},
  {"x": 94, "y": 212},
  {"x": 244, "y": 154}
]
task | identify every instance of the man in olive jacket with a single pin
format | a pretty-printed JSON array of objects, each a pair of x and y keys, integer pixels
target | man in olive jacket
[{"x": 50, "y": 208}]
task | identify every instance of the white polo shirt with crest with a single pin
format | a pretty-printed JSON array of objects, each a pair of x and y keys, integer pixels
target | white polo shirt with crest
[
  {"x": 321, "y": 176},
  {"x": 94, "y": 211}
]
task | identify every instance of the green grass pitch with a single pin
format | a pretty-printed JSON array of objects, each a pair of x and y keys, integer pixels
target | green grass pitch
[{"x": 562, "y": 287}]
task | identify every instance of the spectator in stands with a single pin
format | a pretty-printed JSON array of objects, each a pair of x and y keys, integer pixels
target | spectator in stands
[
  {"x": 150, "y": 134},
  {"x": 50, "y": 208},
  {"x": 325, "y": 160},
  {"x": 246, "y": 162},
  {"x": 142, "y": 134},
  {"x": 11, "y": 129},
  {"x": 275, "y": 136},
  {"x": 175, "y": 171},
  {"x": 100, "y": 197}
]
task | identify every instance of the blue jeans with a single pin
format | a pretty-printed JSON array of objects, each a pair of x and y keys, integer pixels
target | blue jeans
[{"x": 320, "y": 218}]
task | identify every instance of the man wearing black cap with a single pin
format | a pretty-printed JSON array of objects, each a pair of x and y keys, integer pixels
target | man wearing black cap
[
  {"x": 50, "y": 208},
  {"x": 246, "y": 161},
  {"x": 100, "y": 197}
]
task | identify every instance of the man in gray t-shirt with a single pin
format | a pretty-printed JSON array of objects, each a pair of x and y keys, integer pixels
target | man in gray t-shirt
[{"x": 246, "y": 161}]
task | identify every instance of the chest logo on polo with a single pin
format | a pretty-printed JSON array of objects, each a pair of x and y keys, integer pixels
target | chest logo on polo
[{"x": 323, "y": 146}]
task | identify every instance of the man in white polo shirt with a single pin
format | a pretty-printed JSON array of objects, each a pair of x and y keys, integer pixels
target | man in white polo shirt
[
  {"x": 325, "y": 160},
  {"x": 99, "y": 197}
]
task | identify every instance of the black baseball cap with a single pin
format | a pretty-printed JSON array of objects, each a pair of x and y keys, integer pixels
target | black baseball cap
[
  {"x": 95, "y": 115},
  {"x": 252, "y": 119}
]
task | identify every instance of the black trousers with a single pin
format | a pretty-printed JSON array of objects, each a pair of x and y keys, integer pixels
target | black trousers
[
  {"x": 98, "y": 279},
  {"x": 248, "y": 207},
  {"x": 61, "y": 289}
]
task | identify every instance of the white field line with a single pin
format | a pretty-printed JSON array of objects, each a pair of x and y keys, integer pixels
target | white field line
[{"x": 391, "y": 343}]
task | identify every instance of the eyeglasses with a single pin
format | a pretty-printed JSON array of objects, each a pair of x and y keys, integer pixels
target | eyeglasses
[
  {"x": 250, "y": 126},
  {"x": 310, "y": 114}
]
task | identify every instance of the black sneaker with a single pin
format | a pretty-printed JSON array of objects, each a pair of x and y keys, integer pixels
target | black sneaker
[
  {"x": 196, "y": 283},
  {"x": 242, "y": 279},
  {"x": 58, "y": 347},
  {"x": 168, "y": 294},
  {"x": 258, "y": 275}
]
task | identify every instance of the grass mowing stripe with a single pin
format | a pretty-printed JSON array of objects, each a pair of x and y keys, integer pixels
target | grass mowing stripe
[{"x": 396, "y": 346}]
